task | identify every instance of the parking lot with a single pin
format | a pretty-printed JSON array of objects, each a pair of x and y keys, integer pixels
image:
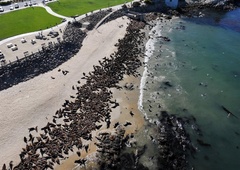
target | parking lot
[{"x": 21, "y": 5}]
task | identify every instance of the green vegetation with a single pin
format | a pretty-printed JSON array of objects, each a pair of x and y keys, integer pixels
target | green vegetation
[
  {"x": 149, "y": 2},
  {"x": 79, "y": 7},
  {"x": 136, "y": 4},
  {"x": 5, "y": 3},
  {"x": 26, "y": 20}
]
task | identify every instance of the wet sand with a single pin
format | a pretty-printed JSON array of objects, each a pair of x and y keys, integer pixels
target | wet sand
[{"x": 34, "y": 102}]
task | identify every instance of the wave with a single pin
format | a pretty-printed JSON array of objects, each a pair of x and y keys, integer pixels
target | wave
[
  {"x": 168, "y": 62},
  {"x": 148, "y": 54}
]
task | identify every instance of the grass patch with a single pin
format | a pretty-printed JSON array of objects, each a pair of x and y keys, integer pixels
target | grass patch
[
  {"x": 26, "y": 20},
  {"x": 79, "y": 7}
]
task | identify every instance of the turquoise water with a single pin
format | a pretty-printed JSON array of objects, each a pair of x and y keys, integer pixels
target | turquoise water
[{"x": 201, "y": 64}]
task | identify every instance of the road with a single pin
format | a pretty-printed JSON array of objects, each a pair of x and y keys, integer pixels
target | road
[{"x": 22, "y": 5}]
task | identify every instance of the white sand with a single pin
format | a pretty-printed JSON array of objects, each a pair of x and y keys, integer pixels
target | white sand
[{"x": 31, "y": 103}]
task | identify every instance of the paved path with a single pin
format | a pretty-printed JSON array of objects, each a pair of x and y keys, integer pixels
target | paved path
[{"x": 50, "y": 11}]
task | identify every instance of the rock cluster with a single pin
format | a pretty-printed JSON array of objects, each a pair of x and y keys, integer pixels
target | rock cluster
[
  {"x": 111, "y": 152},
  {"x": 109, "y": 148},
  {"x": 195, "y": 9},
  {"x": 174, "y": 142}
]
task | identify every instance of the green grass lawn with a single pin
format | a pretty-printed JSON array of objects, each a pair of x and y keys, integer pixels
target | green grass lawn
[
  {"x": 79, "y": 7},
  {"x": 25, "y": 20}
]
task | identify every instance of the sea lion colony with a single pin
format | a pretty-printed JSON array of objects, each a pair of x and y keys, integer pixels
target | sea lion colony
[
  {"x": 94, "y": 18},
  {"x": 44, "y": 60},
  {"x": 111, "y": 151},
  {"x": 92, "y": 105}
]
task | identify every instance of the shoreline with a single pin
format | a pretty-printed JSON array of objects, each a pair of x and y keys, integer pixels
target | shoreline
[
  {"x": 57, "y": 90},
  {"x": 128, "y": 100}
]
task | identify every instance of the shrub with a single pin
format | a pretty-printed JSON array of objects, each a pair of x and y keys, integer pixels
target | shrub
[
  {"x": 5, "y": 3},
  {"x": 136, "y": 4},
  {"x": 148, "y": 2},
  {"x": 124, "y": 6}
]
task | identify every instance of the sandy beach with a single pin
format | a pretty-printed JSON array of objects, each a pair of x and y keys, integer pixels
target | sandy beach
[{"x": 34, "y": 102}]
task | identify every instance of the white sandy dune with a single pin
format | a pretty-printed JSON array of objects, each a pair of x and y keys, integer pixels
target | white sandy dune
[{"x": 34, "y": 102}]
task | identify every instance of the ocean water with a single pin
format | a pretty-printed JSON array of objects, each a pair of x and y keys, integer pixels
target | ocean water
[{"x": 195, "y": 74}]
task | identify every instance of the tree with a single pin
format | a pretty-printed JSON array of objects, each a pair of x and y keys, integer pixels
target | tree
[
  {"x": 148, "y": 2},
  {"x": 136, "y": 4}
]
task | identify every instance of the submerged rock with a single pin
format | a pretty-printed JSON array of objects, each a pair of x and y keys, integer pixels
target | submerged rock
[
  {"x": 173, "y": 142},
  {"x": 112, "y": 153}
]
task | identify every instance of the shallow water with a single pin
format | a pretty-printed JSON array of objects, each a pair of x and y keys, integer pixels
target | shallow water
[{"x": 194, "y": 75}]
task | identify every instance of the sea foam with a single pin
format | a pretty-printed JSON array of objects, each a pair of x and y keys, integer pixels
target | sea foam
[{"x": 148, "y": 54}]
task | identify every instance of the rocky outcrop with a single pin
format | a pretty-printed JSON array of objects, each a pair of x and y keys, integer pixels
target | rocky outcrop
[
  {"x": 174, "y": 143},
  {"x": 111, "y": 152},
  {"x": 225, "y": 5}
]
